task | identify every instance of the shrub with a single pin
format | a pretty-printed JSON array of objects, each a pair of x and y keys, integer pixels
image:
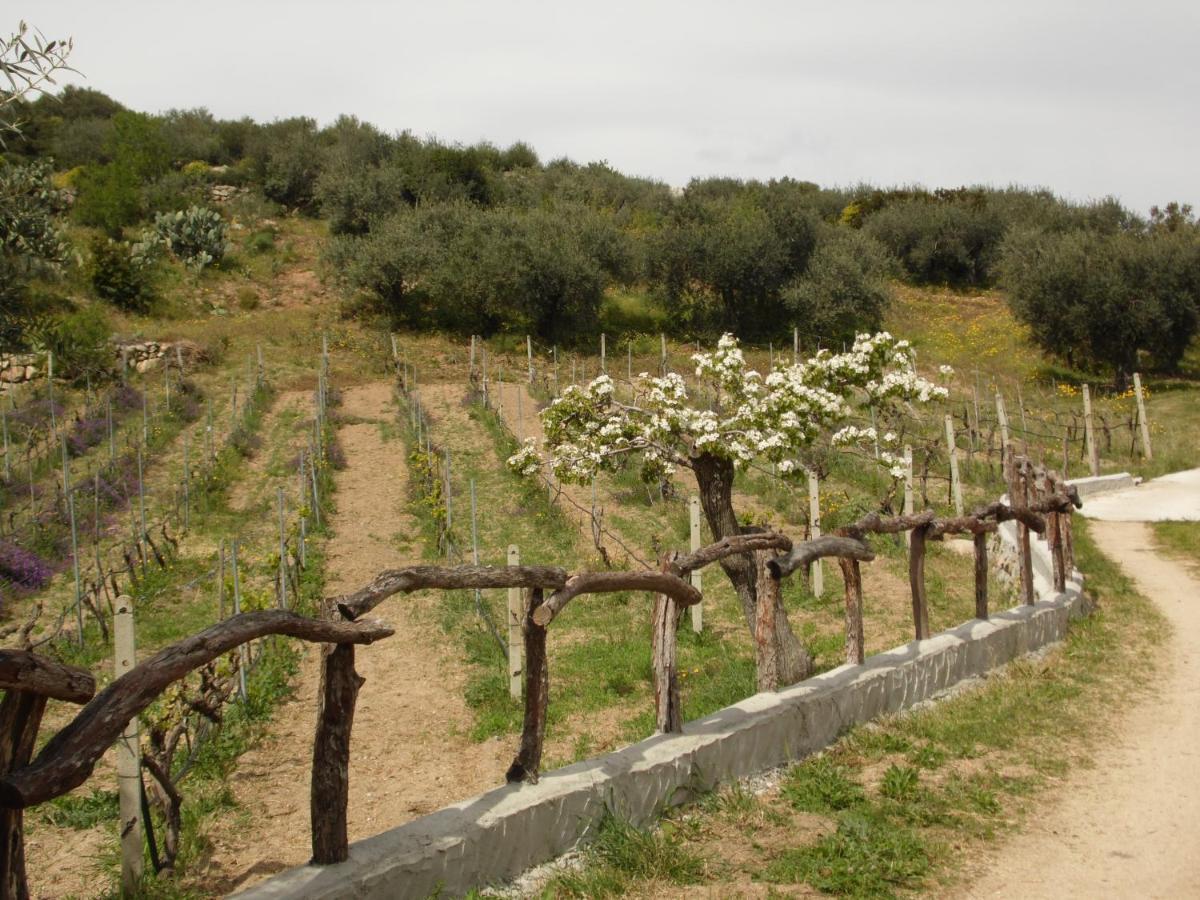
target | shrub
[
  {"x": 1100, "y": 299},
  {"x": 117, "y": 277},
  {"x": 198, "y": 236},
  {"x": 79, "y": 341},
  {"x": 941, "y": 242},
  {"x": 844, "y": 290},
  {"x": 23, "y": 567}
]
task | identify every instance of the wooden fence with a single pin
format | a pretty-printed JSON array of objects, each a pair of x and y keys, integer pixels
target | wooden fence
[{"x": 1038, "y": 501}]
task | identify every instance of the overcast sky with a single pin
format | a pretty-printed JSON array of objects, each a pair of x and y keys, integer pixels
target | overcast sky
[{"x": 1086, "y": 98}]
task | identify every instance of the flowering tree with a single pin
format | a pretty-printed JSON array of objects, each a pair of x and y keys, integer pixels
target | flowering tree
[{"x": 776, "y": 418}]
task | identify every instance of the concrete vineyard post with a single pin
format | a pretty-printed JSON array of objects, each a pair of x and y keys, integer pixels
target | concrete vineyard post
[
  {"x": 283, "y": 604},
  {"x": 603, "y": 354},
  {"x": 814, "y": 521},
  {"x": 1002, "y": 418},
  {"x": 221, "y": 582},
  {"x": 141, "y": 496},
  {"x": 7, "y": 451},
  {"x": 795, "y": 346},
  {"x": 129, "y": 758},
  {"x": 694, "y": 526},
  {"x": 187, "y": 497},
  {"x": 529, "y": 356},
  {"x": 244, "y": 649},
  {"x": 75, "y": 567},
  {"x": 1093, "y": 452},
  {"x": 516, "y": 618},
  {"x": 554, "y": 353},
  {"x": 50, "y": 390},
  {"x": 908, "y": 488},
  {"x": 145, "y": 420},
  {"x": 1143, "y": 422},
  {"x": 955, "y": 481},
  {"x": 449, "y": 489},
  {"x": 662, "y": 342}
]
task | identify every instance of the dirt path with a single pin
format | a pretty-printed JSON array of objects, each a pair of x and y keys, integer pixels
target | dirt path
[
  {"x": 409, "y": 755},
  {"x": 1128, "y": 827}
]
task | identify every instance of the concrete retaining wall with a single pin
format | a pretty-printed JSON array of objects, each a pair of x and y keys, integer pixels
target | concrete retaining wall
[{"x": 496, "y": 836}]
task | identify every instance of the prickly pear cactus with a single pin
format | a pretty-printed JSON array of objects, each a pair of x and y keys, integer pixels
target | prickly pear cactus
[{"x": 198, "y": 236}]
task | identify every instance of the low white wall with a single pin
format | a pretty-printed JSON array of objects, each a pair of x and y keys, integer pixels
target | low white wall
[{"x": 497, "y": 835}]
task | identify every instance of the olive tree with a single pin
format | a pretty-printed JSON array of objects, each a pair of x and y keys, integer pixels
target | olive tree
[{"x": 665, "y": 426}]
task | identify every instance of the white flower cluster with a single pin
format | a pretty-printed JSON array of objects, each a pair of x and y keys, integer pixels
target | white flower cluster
[
  {"x": 587, "y": 430},
  {"x": 526, "y": 461}
]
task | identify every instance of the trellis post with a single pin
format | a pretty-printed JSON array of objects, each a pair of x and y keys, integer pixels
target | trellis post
[
  {"x": 128, "y": 755},
  {"x": 1002, "y": 418},
  {"x": 1143, "y": 422},
  {"x": 814, "y": 526},
  {"x": 529, "y": 356},
  {"x": 516, "y": 617},
  {"x": 1093, "y": 452},
  {"x": 955, "y": 481},
  {"x": 908, "y": 487},
  {"x": 694, "y": 527}
]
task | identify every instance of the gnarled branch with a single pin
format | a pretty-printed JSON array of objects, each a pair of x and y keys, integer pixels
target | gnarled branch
[
  {"x": 21, "y": 670},
  {"x": 413, "y": 578},
  {"x": 601, "y": 582},
  {"x": 68, "y": 758}
]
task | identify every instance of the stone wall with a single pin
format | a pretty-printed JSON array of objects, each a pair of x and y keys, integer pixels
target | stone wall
[{"x": 17, "y": 369}]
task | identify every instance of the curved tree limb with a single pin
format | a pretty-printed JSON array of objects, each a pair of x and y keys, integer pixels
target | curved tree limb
[
  {"x": 68, "y": 758},
  {"x": 601, "y": 582},
  {"x": 21, "y": 670},
  {"x": 727, "y": 546},
  {"x": 808, "y": 552},
  {"x": 395, "y": 581}
]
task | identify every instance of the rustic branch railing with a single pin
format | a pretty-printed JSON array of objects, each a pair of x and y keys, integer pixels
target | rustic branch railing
[{"x": 1041, "y": 504}]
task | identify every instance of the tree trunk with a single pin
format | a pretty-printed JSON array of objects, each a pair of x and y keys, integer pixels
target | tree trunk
[
  {"x": 20, "y": 716},
  {"x": 714, "y": 477}
]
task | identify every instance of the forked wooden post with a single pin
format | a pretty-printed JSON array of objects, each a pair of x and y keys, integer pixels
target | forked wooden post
[
  {"x": 1018, "y": 497},
  {"x": 528, "y": 761},
  {"x": 516, "y": 615},
  {"x": 694, "y": 527},
  {"x": 1093, "y": 452},
  {"x": 330, "y": 794},
  {"x": 814, "y": 525},
  {"x": 767, "y": 663},
  {"x": 852, "y": 575},
  {"x": 129, "y": 755},
  {"x": 981, "y": 575},
  {"x": 1143, "y": 422},
  {"x": 916, "y": 581},
  {"x": 663, "y": 644}
]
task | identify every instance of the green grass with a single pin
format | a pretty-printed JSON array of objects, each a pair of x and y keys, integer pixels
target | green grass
[
  {"x": 897, "y": 793},
  {"x": 1180, "y": 539},
  {"x": 621, "y": 855}
]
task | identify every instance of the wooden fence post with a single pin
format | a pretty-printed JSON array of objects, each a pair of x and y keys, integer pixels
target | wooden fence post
[
  {"x": 852, "y": 575},
  {"x": 330, "y": 791},
  {"x": 516, "y": 615},
  {"x": 694, "y": 526},
  {"x": 20, "y": 717},
  {"x": 1018, "y": 496},
  {"x": 663, "y": 640},
  {"x": 916, "y": 581},
  {"x": 981, "y": 575},
  {"x": 1143, "y": 422},
  {"x": 767, "y": 662},
  {"x": 662, "y": 340},
  {"x": 129, "y": 755},
  {"x": 814, "y": 525},
  {"x": 955, "y": 481},
  {"x": 1090, "y": 434},
  {"x": 528, "y": 760}
]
